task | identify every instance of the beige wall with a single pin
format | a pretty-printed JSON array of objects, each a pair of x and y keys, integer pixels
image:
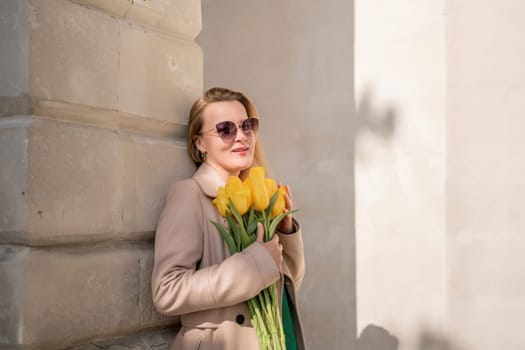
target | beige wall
[
  {"x": 295, "y": 60},
  {"x": 400, "y": 173},
  {"x": 439, "y": 175},
  {"x": 486, "y": 173},
  {"x": 94, "y": 96}
]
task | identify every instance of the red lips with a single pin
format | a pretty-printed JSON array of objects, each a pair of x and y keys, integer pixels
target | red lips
[{"x": 240, "y": 149}]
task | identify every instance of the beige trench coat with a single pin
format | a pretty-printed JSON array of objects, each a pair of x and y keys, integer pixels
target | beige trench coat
[{"x": 195, "y": 276}]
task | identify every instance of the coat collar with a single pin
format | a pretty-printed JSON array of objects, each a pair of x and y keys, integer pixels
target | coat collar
[{"x": 208, "y": 179}]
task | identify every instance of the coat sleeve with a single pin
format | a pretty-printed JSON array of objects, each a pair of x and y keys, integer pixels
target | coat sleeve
[
  {"x": 293, "y": 253},
  {"x": 179, "y": 286}
]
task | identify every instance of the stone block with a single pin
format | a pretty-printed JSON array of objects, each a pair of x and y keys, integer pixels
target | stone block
[
  {"x": 13, "y": 48},
  {"x": 11, "y": 293},
  {"x": 146, "y": 13},
  {"x": 71, "y": 294},
  {"x": 180, "y": 18},
  {"x": 149, "y": 316},
  {"x": 159, "y": 339},
  {"x": 13, "y": 167},
  {"x": 62, "y": 182},
  {"x": 73, "y": 181},
  {"x": 117, "y": 8},
  {"x": 159, "y": 76},
  {"x": 15, "y": 105},
  {"x": 81, "y": 55},
  {"x": 73, "y": 55},
  {"x": 159, "y": 162}
]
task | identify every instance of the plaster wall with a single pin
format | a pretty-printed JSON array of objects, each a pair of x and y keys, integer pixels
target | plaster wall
[
  {"x": 486, "y": 173},
  {"x": 400, "y": 174},
  {"x": 294, "y": 59},
  {"x": 439, "y": 175}
]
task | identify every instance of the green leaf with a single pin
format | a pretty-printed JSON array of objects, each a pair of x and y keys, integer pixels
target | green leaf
[
  {"x": 268, "y": 209},
  {"x": 234, "y": 228},
  {"x": 235, "y": 212},
  {"x": 251, "y": 225},
  {"x": 265, "y": 220},
  {"x": 245, "y": 238},
  {"x": 277, "y": 220},
  {"x": 227, "y": 237},
  {"x": 242, "y": 238}
]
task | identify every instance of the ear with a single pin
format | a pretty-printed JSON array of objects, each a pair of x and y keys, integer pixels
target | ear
[{"x": 198, "y": 142}]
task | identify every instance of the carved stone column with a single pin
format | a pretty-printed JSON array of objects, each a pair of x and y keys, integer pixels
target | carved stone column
[{"x": 94, "y": 97}]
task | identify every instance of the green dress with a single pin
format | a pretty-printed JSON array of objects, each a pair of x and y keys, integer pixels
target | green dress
[{"x": 289, "y": 333}]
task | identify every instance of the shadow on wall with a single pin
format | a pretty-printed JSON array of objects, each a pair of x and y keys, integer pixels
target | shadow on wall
[
  {"x": 430, "y": 341},
  {"x": 377, "y": 338},
  {"x": 380, "y": 122}
]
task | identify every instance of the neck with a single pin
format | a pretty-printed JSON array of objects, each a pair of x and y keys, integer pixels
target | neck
[{"x": 224, "y": 174}]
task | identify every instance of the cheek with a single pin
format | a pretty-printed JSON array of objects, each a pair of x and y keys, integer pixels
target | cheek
[
  {"x": 218, "y": 147},
  {"x": 210, "y": 144}
]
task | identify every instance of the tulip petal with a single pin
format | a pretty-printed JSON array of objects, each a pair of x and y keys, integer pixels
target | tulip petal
[
  {"x": 258, "y": 189},
  {"x": 280, "y": 203}
]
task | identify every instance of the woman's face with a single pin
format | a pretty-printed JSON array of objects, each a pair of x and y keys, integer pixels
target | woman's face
[{"x": 227, "y": 156}]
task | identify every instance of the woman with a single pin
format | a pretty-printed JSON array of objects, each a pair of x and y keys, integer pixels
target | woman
[{"x": 194, "y": 275}]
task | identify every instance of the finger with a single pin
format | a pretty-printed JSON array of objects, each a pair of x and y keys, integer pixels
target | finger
[
  {"x": 288, "y": 198},
  {"x": 286, "y": 187},
  {"x": 259, "y": 235},
  {"x": 288, "y": 191},
  {"x": 288, "y": 202},
  {"x": 288, "y": 216}
]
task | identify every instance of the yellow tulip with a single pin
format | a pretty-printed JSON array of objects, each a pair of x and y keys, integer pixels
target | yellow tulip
[
  {"x": 239, "y": 193},
  {"x": 260, "y": 196},
  {"x": 221, "y": 201},
  {"x": 271, "y": 186},
  {"x": 280, "y": 203}
]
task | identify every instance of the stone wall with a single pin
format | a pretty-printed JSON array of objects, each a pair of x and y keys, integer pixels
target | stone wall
[{"x": 94, "y": 97}]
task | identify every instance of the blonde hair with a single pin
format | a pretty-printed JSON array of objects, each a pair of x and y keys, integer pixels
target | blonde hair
[{"x": 218, "y": 94}]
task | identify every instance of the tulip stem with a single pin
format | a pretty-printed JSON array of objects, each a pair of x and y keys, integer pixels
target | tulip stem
[{"x": 266, "y": 224}]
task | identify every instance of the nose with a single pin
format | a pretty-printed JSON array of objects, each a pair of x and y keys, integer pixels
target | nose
[{"x": 240, "y": 135}]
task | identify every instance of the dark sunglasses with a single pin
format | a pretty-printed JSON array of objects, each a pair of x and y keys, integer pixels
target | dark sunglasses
[{"x": 227, "y": 130}]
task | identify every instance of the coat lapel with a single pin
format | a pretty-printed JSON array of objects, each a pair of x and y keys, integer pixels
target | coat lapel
[{"x": 209, "y": 180}]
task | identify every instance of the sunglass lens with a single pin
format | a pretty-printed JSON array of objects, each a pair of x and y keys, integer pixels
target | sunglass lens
[
  {"x": 250, "y": 125},
  {"x": 226, "y": 130}
]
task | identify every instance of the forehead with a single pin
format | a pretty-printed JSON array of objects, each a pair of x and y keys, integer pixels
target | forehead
[{"x": 225, "y": 110}]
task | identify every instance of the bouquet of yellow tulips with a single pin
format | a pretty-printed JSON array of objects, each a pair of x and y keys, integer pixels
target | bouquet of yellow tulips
[{"x": 243, "y": 204}]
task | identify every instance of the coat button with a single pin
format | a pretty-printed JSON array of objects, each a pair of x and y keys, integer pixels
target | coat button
[{"x": 239, "y": 319}]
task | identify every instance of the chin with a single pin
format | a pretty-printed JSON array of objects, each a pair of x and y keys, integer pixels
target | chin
[{"x": 242, "y": 164}]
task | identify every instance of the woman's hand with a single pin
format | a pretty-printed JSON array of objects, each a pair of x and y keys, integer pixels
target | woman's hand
[
  {"x": 286, "y": 224},
  {"x": 272, "y": 246}
]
